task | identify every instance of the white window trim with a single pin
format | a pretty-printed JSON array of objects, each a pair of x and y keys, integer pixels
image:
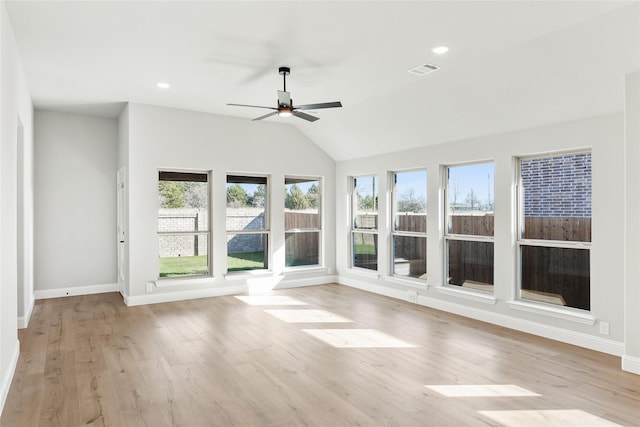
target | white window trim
[
  {"x": 467, "y": 293},
  {"x": 190, "y": 278},
  {"x": 266, "y": 230},
  {"x": 393, "y": 276},
  {"x": 320, "y": 230},
  {"x": 353, "y": 229},
  {"x": 446, "y": 288},
  {"x": 561, "y": 312}
]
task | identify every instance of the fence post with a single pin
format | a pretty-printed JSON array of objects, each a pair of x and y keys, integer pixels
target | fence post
[{"x": 195, "y": 237}]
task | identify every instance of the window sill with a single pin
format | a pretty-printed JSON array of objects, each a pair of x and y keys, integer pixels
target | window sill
[
  {"x": 292, "y": 271},
  {"x": 478, "y": 296},
  {"x": 183, "y": 281},
  {"x": 240, "y": 275},
  {"x": 569, "y": 314},
  {"x": 415, "y": 283},
  {"x": 364, "y": 272}
]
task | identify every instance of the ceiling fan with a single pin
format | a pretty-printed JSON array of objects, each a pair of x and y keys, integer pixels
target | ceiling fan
[{"x": 285, "y": 106}]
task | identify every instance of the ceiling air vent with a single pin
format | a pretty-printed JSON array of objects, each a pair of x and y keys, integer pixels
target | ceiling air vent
[{"x": 424, "y": 69}]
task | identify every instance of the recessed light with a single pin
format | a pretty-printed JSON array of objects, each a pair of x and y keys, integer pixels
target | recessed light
[
  {"x": 163, "y": 85},
  {"x": 440, "y": 50}
]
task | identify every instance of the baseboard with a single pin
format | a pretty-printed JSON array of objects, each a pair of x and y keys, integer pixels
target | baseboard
[
  {"x": 23, "y": 321},
  {"x": 157, "y": 298},
  {"x": 295, "y": 281},
  {"x": 631, "y": 364},
  {"x": 376, "y": 289},
  {"x": 76, "y": 290},
  {"x": 603, "y": 345},
  {"x": 7, "y": 376}
]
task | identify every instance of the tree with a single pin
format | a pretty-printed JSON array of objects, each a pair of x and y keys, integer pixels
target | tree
[
  {"x": 455, "y": 193},
  {"x": 236, "y": 196},
  {"x": 472, "y": 200},
  {"x": 295, "y": 199},
  {"x": 408, "y": 202},
  {"x": 313, "y": 196},
  {"x": 367, "y": 203},
  {"x": 171, "y": 194},
  {"x": 195, "y": 195},
  {"x": 257, "y": 198}
]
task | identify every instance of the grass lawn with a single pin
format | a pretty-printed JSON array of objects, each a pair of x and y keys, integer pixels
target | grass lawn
[
  {"x": 365, "y": 249},
  {"x": 175, "y": 266},
  {"x": 295, "y": 262},
  {"x": 246, "y": 261}
]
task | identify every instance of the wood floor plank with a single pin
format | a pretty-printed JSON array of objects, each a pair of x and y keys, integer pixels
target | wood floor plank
[{"x": 90, "y": 360}]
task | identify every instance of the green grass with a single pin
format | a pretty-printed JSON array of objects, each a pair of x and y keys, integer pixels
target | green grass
[
  {"x": 365, "y": 249},
  {"x": 246, "y": 261},
  {"x": 296, "y": 262},
  {"x": 176, "y": 266}
]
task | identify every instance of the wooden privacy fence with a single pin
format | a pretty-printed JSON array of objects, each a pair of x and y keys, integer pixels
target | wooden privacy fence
[
  {"x": 557, "y": 271},
  {"x": 301, "y": 220},
  {"x": 302, "y": 247}
]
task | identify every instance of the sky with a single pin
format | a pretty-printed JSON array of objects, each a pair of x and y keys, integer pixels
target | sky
[
  {"x": 250, "y": 188},
  {"x": 477, "y": 177}
]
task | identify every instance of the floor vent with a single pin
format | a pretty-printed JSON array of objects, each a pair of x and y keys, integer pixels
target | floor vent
[{"x": 424, "y": 69}]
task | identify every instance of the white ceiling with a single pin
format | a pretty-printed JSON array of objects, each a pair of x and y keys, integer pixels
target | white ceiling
[{"x": 512, "y": 64}]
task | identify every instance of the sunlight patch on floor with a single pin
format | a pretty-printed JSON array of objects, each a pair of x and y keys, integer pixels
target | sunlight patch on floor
[
  {"x": 548, "y": 418},
  {"x": 479, "y": 390},
  {"x": 270, "y": 300},
  {"x": 308, "y": 316},
  {"x": 357, "y": 338}
]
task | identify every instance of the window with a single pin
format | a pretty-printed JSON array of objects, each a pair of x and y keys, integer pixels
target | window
[
  {"x": 469, "y": 226},
  {"x": 364, "y": 222},
  {"x": 409, "y": 233},
  {"x": 555, "y": 229},
  {"x": 183, "y": 224},
  {"x": 302, "y": 221},
  {"x": 247, "y": 223}
]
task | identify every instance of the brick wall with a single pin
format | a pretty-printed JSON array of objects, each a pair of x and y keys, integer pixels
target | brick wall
[
  {"x": 245, "y": 219},
  {"x": 182, "y": 220},
  {"x": 558, "y": 186}
]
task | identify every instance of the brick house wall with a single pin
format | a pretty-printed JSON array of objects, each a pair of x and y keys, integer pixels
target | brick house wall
[{"x": 558, "y": 186}]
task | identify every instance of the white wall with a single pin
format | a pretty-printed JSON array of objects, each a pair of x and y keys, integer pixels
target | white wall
[
  {"x": 604, "y": 135},
  {"x": 15, "y": 108},
  {"x": 160, "y": 138},
  {"x": 123, "y": 164},
  {"x": 75, "y": 198},
  {"x": 631, "y": 358}
]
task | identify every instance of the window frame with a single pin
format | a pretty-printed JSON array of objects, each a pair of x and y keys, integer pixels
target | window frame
[
  {"x": 318, "y": 230},
  {"x": 266, "y": 230},
  {"x": 194, "y": 233},
  {"x": 398, "y": 233},
  {"x": 561, "y": 244},
  {"x": 352, "y": 219},
  {"x": 447, "y": 236}
]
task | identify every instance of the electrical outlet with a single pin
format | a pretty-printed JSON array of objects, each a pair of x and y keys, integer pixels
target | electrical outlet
[
  {"x": 604, "y": 328},
  {"x": 149, "y": 287},
  {"x": 412, "y": 296}
]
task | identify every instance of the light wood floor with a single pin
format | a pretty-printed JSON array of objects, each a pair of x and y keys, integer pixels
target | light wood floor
[{"x": 225, "y": 361}]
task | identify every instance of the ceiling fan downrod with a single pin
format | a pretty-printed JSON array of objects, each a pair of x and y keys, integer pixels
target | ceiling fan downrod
[{"x": 284, "y": 71}]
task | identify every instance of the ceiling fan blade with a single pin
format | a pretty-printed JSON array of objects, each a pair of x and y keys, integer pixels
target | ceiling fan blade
[
  {"x": 265, "y": 116},
  {"x": 284, "y": 98},
  {"x": 318, "y": 106},
  {"x": 307, "y": 117},
  {"x": 252, "y": 106}
]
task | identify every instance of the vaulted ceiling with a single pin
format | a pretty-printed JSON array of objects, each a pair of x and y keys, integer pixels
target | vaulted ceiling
[{"x": 511, "y": 64}]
